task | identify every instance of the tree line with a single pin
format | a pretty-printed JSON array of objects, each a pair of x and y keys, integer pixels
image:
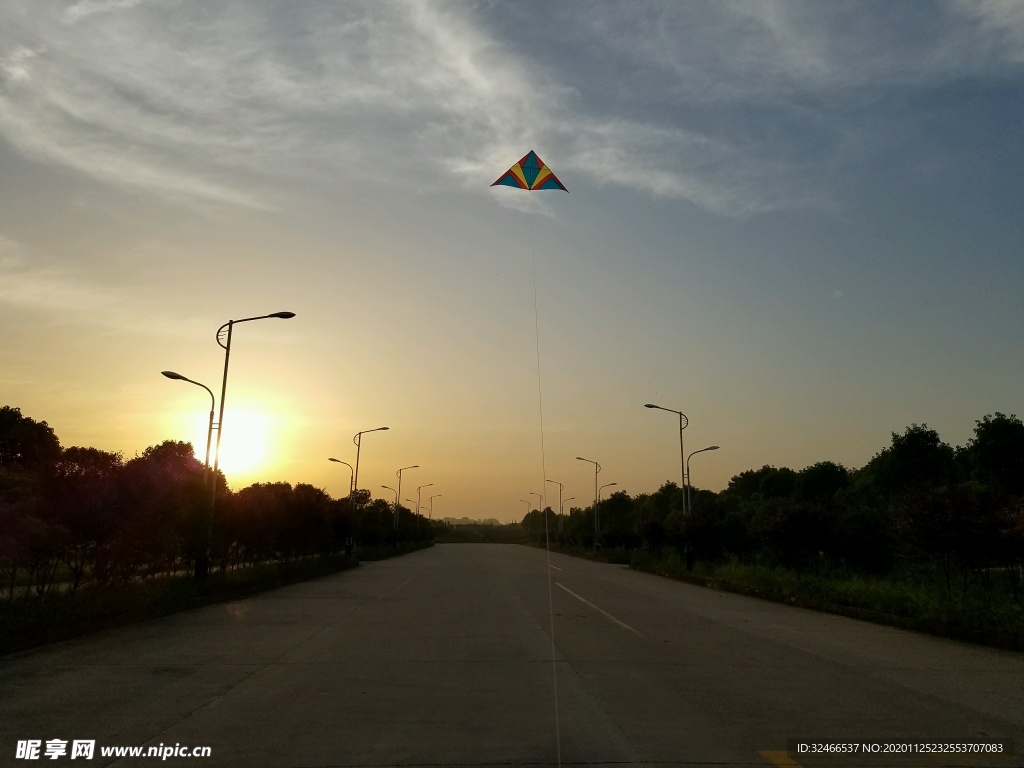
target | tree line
[
  {"x": 919, "y": 505},
  {"x": 72, "y": 515}
]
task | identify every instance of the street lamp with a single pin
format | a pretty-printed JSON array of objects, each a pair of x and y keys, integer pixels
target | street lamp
[
  {"x": 202, "y": 562},
  {"x": 358, "y": 439},
  {"x": 683, "y": 423},
  {"x": 393, "y": 491},
  {"x": 561, "y": 504},
  {"x": 606, "y": 485},
  {"x": 540, "y": 500},
  {"x": 226, "y": 330},
  {"x": 352, "y": 474},
  {"x": 203, "y": 558},
  {"x": 709, "y": 448},
  {"x": 560, "y": 487},
  {"x": 430, "y": 501},
  {"x": 209, "y": 431},
  {"x": 398, "y": 474},
  {"x": 418, "y": 497},
  {"x": 597, "y": 468},
  {"x": 529, "y": 505}
]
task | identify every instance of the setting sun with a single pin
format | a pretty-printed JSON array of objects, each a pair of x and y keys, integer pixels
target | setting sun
[{"x": 245, "y": 448}]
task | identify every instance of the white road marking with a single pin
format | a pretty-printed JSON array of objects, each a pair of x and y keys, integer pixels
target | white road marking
[
  {"x": 554, "y": 566},
  {"x": 605, "y": 613}
]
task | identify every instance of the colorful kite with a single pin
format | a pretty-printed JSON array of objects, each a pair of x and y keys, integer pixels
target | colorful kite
[{"x": 530, "y": 173}]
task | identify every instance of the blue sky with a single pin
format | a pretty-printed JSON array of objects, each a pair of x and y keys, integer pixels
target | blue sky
[{"x": 797, "y": 222}]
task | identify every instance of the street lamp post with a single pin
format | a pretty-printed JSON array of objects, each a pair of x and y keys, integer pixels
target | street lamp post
[
  {"x": 606, "y": 485},
  {"x": 540, "y": 500},
  {"x": 351, "y": 477},
  {"x": 209, "y": 430},
  {"x": 202, "y": 562},
  {"x": 561, "y": 512},
  {"x": 398, "y": 474},
  {"x": 709, "y": 448},
  {"x": 358, "y": 439},
  {"x": 394, "y": 491},
  {"x": 226, "y": 331},
  {"x": 683, "y": 423},
  {"x": 203, "y": 557},
  {"x": 418, "y": 497},
  {"x": 430, "y": 501},
  {"x": 560, "y": 487},
  {"x": 597, "y": 468},
  {"x": 529, "y": 505}
]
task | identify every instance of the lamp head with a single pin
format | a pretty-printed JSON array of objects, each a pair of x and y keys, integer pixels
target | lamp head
[
  {"x": 651, "y": 405},
  {"x": 283, "y": 315},
  {"x": 334, "y": 460},
  {"x": 712, "y": 448},
  {"x": 173, "y": 375}
]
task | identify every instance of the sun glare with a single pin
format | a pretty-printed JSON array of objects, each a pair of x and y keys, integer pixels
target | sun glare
[{"x": 246, "y": 448}]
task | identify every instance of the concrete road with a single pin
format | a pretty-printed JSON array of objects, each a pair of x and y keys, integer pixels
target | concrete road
[{"x": 476, "y": 654}]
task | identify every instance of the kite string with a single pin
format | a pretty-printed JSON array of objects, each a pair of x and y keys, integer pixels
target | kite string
[{"x": 544, "y": 484}]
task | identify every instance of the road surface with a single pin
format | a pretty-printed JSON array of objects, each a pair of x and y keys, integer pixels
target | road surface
[{"x": 446, "y": 657}]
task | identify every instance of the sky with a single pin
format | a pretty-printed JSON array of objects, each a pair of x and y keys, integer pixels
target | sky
[{"x": 799, "y": 223}]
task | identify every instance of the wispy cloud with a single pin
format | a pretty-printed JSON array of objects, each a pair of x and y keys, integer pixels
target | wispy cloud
[
  {"x": 84, "y": 8},
  {"x": 1002, "y": 21},
  {"x": 222, "y": 102},
  {"x": 30, "y": 284}
]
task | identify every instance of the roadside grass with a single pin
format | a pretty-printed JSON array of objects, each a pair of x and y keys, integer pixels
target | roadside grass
[
  {"x": 29, "y": 621},
  {"x": 988, "y": 617}
]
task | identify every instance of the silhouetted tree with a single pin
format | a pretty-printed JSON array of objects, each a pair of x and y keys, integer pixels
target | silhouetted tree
[
  {"x": 162, "y": 494},
  {"x": 82, "y": 496},
  {"x": 916, "y": 460},
  {"x": 822, "y": 481},
  {"x": 24, "y": 442},
  {"x": 995, "y": 457}
]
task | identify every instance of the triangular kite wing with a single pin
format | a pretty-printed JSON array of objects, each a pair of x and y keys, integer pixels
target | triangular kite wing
[{"x": 530, "y": 173}]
